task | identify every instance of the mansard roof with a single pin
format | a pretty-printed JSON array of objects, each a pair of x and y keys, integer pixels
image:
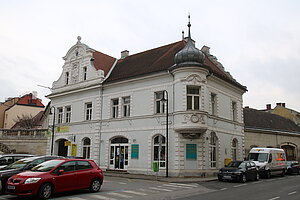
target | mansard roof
[
  {"x": 158, "y": 60},
  {"x": 257, "y": 119}
]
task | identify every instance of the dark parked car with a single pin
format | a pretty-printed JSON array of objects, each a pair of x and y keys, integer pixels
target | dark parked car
[
  {"x": 20, "y": 166},
  {"x": 239, "y": 171},
  {"x": 293, "y": 167},
  {"x": 6, "y": 159},
  {"x": 57, "y": 175}
]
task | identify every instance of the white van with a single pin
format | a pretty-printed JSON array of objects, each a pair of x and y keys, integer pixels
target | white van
[{"x": 270, "y": 161}]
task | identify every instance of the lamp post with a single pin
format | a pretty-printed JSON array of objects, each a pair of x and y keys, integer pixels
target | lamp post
[
  {"x": 166, "y": 100},
  {"x": 53, "y": 124}
]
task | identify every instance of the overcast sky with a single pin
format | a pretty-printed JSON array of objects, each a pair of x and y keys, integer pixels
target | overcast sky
[{"x": 258, "y": 42}]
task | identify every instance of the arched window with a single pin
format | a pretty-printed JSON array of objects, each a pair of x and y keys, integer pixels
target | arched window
[
  {"x": 86, "y": 147},
  {"x": 213, "y": 150},
  {"x": 159, "y": 150},
  {"x": 234, "y": 149}
]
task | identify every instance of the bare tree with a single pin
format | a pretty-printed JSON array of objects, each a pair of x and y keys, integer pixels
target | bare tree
[{"x": 25, "y": 122}]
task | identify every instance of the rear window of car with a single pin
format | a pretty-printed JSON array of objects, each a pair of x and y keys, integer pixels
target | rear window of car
[{"x": 83, "y": 165}]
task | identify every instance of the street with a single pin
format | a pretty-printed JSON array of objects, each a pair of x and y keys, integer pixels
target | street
[{"x": 115, "y": 188}]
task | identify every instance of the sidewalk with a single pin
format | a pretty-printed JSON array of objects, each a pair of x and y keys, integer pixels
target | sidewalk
[{"x": 160, "y": 178}]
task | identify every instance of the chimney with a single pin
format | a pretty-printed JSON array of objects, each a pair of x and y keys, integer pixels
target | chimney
[
  {"x": 283, "y": 105},
  {"x": 278, "y": 104},
  {"x": 124, "y": 54},
  {"x": 268, "y": 106}
]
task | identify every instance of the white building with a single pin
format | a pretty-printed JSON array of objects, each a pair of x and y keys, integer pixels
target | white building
[{"x": 114, "y": 112}]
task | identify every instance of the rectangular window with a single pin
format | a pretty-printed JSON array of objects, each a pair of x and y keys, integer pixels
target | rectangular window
[
  {"x": 159, "y": 104},
  {"x": 67, "y": 78},
  {"x": 126, "y": 106},
  {"x": 88, "y": 111},
  {"x": 213, "y": 104},
  {"x": 68, "y": 114},
  {"x": 84, "y": 73},
  {"x": 234, "y": 111},
  {"x": 59, "y": 115},
  {"x": 115, "y": 108},
  {"x": 193, "y": 98}
]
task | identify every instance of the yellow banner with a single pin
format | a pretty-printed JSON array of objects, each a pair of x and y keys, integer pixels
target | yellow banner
[
  {"x": 74, "y": 149},
  {"x": 61, "y": 129},
  {"x": 67, "y": 143}
]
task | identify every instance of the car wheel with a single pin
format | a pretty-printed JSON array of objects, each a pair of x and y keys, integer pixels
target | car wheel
[
  {"x": 243, "y": 178},
  {"x": 45, "y": 191},
  {"x": 257, "y": 176},
  {"x": 220, "y": 178},
  {"x": 268, "y": 174},
  {"x": 95, "y": 185},
  {"x": 298, "y": 172},
  {"x": 282, "y": 173}
]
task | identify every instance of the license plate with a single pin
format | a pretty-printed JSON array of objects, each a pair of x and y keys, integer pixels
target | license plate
[
  {"x": 226, "y": 177},
  {"x": 11, "y": 187}
]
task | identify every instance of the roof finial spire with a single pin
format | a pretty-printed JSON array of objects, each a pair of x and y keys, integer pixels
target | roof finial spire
[
  {"x": 182, "y": 35},
  {"x": 189, "y": 25}
]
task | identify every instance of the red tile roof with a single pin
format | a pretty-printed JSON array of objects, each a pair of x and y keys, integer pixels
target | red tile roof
[
  {"x": 28, "y": 100},
  {"x": 103, "y": 61},
  {"x": 157, "y": 60}
]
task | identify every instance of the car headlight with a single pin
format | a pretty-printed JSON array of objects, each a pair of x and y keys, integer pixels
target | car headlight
[{"x": 31, "y": 180}]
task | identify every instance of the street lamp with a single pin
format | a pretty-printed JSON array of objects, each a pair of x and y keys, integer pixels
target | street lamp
[
  {"x": 52, "y": 137},
  {"x": 165, "y": 99}
]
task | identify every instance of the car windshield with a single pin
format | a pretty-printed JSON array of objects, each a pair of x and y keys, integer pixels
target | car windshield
[
  {"x": 236, "y": 164},
  {"x": 20, "y": 163},
  {"x": 261, "y": 157},
  {"x": 46, "y": 166}
]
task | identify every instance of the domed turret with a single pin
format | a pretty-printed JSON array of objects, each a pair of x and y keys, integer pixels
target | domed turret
[{"x": 189, "y": 55}]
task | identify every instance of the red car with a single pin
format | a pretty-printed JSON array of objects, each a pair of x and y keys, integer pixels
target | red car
[{"x": 54, "y": 176}]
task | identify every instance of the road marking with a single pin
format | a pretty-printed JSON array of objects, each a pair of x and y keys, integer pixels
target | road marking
[
  {"x": 101, "y": 197},
  {"x": 223, "y": 189},
  {"x": 119, "y": 195},
  {"x": 134, "y": 192},
  {"x": 240, "y": 185},
  {"x": 292, "y": 193},
  {"x": 189, "y": 185},
  {"x": 257, "y": 182},
  {"x": 275, "y": 198},
  {"x": 122, "y": 183},
  {"x": 161, "y": 189},
  {"x": 174, "y": 186},
  {"x": 76, "y": 198}
]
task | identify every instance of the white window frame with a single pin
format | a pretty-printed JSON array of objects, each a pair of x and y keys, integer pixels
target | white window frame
[
  {"x": 86, "y": 148},
  {"x": 68, "y": 114},
  {"x": 213, "y": 99},
  {"x": 115, "y": 108},
  {"x": 60, "y": 114},
  {"x": 193, "y": 97},
  {"x": 67, "y": 78},
  {"x": 126, "y": 106},
  {"x": 234, "y": 149},
  {"x": 159, "y": 148},
  {"x": 88, "y": 111},
  {"x": 84, "y": 73},
  {"x": 159, "y": 104},
  {"x": 213, "y": 150},
  {"x": 234, "y": 110}
]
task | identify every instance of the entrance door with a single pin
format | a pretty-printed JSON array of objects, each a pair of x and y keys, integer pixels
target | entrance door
[
  {"x": 62, "y": 149},
  {"x": 119, "y": 154}
]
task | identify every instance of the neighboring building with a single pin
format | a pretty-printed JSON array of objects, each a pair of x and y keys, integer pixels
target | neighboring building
[
  {"x": 4, "y": 106},
  {"x": 118, "y": 117},
  {"x": 281, "y": 110},
  {"x": 17, "y": 108},
  {"x": 265, "y": 129},
  {"x": 29, "y": 133}
]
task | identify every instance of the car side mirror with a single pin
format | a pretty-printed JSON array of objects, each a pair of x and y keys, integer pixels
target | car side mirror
[{"x": 61, "y": 171}]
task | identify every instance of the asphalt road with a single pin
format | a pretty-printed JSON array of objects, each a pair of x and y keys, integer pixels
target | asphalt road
[
  {"x": 276, "y": 188},
  {"x": 116, "y": 188}
]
